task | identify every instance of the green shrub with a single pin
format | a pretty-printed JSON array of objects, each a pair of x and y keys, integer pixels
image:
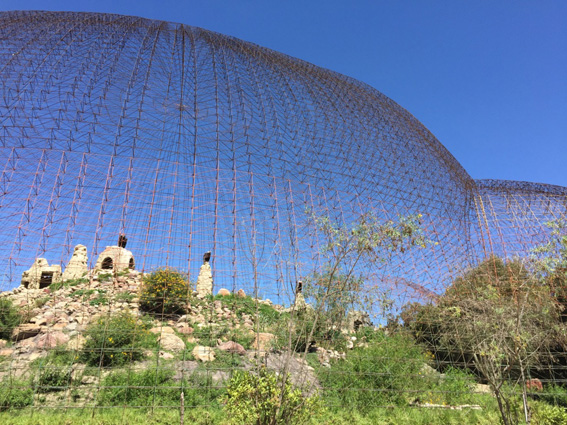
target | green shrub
[
  {"x": 116, "y": 340},
  {"x": 209, "y": 335},
  {"x": 259, "y": 399},
  {"x": 15, "y": 394},
  {"x": 99, "y": 300},
  {"x": 54, "y": 370},
  {"x": 554, "y": 394},
  {"x": 390, "y": 371},
  {"x": 9, "y": 318},
  {"x": 456, "y": 387},
  {"x": 165, "y": 291},
  {"x": 40, "y": 302},
  {"x": 147, "y": 388},
  {"x": 242, "y": 337},
  {"x": 83, "y": 293},
  {"x": 124, "y": 296},
  {"x": 545, "y": 414},
  {"x": 54, "y": 378},
  {"x": 59, "y": 356},
  {"x": 200, "y": 389},
  {"x": 225, "y": 360}
]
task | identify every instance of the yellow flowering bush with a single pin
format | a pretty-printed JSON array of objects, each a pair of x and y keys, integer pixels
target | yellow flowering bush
[{"x": 165, "y": 291}]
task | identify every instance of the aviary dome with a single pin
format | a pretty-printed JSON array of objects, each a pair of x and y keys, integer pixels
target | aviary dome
[{"x": 186, "y": 141}]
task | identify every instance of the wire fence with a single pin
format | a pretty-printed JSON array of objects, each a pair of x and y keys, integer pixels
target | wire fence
[{"x": 177, "y": 205}]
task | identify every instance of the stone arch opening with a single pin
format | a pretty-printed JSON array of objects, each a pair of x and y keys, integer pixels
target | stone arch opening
[
  {"x": 107, "y": 264},
  {"x": 45, "y": 280}
]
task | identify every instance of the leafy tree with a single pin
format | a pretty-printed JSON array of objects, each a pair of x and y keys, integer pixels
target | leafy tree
[
  {"x": 348, "y": 249},
  {"x": 550, "y": 260},
  {"x": 499, "y": 316}
]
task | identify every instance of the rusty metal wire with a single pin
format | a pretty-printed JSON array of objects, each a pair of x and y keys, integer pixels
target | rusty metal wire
[{"x": 188, "y": 141}]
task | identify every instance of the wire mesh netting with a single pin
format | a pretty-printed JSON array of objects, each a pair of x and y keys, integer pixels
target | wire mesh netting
[{"x": 176, "y": 205}]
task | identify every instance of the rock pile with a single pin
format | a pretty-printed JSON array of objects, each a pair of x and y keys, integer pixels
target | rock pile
[{"x": 57, "y": 315}]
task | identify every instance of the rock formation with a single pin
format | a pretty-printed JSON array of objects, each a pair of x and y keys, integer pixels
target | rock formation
[
  {"x": 357, "y": 319},
  {"x": 299, "y": 302},
  {"x": 40, "y": 275},
  {"x": 205, "y": 279},
  {"x": 77, "y": 266}
]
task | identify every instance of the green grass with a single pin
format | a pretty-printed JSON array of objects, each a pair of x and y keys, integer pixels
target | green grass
[
  {"x": 124, "y": 296},
  {"x": 104, "y": 277},
  {"x": 40, "y": 302},
  {"x": 83, "y": 293},
  {"x": 67, "y": 283},
  {"x": 215, "y": 416},
  {"x": 99, "y": 300}
]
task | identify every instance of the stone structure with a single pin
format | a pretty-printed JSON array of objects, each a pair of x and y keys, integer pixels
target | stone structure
[
  {"x": 77, "y": 266},
  {"x": 40, "y": 275},
  {"x": 357, "y": 319},
  {"x": 205, "y": 279},
  {"x": 299, "y": 302},
  {"x": 115, "y": 259}
]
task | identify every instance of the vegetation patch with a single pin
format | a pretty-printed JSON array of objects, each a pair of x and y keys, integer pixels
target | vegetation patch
[
  {"x": 165, "y": 292},
  {"x": 67, "y": 283},
  {"x": 116, "y": 340},
  {"x": 265, "y": 398},
  {"x": 9, "y": 318}
]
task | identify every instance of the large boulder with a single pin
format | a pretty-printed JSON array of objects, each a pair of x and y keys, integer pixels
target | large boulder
[
  {"x": 232, "y": 347},
  {"x": 223, "y": 292},
  {"x": 204, "y": 354},
  {"x": 171, "y": 342},
  {"x": 51, "y": 340},
  {"x": 160, "y": 330},
  {"x": 263, "y": 341},
  {"x": 25, "y": 331}
]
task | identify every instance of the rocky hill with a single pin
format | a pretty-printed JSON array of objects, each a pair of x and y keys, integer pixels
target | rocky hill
[{"x": 215, "y": 336}]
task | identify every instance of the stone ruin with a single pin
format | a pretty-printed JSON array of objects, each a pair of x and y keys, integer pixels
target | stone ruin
[
  {"x": 115, "y": 259},
  {"x": 77, "y": 266},
  {"x": 112, "y": 259},
  {"x": 205, "y": 279},
  {"x": 357, "y": 320},
  {"x": 41, "y": 275}
]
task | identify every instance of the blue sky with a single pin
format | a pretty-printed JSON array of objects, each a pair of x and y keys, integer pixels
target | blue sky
[{"x": 488, "y": 78}]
